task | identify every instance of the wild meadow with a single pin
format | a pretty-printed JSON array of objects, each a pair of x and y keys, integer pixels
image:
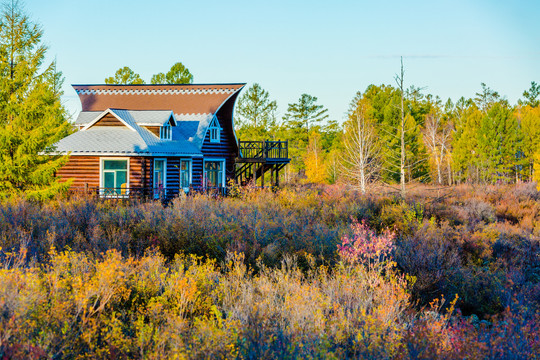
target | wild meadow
[{"x": 305, "y": 272}]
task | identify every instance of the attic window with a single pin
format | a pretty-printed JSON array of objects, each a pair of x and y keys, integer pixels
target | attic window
[
  {"x": 215, "y": 130},
  {"x": 165, "y": 132}
]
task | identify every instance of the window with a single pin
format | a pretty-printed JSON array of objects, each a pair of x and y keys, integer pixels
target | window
[
  {"x": 160, "y": 180},
  {"x": 114, "y": 177},
  {"x": 213, "y": 173},
  {"x": 215, "y": 130},
  {"x": 185, "y": 174},
  {"x": 165, "y": 132}
]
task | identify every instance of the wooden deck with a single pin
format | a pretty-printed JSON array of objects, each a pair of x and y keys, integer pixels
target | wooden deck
[{"x": 258, "y": 157}]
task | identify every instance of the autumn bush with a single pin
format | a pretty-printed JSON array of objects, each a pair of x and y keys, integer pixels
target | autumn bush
[{"x": 304, "y": 272}]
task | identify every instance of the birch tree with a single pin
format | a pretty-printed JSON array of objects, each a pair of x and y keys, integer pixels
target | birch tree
[
  {"x": 436, "y": 136},
  {"x": 362, "y": 151}
]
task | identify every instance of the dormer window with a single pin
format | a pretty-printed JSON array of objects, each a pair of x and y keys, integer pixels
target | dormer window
[
  {"x": 165, "y": 132},
  {"x": 215, "y": 130}
]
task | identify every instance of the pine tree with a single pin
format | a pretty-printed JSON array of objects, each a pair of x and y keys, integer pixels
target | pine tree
[
  {"x": 255, "y": 114},
  {"x": 305, "y": 113},
  {"x": 532, "y": 96},
  {"x": 301, "y": 118},
  {"x": 32, "y": 118}
]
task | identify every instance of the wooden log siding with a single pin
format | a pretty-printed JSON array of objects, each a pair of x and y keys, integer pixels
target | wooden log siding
[
  {"x": 136, "y": 174},
  {"x": 109, "y": 120},
  {"x": 84, "y": 170},
  {"x": 153, "y": 129},
  {"x": 173, "y": 176},
  {"x": 197, "y": 180}
]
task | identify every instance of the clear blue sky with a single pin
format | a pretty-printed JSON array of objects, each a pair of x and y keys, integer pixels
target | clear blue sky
[{"x": 329, "y": 49}]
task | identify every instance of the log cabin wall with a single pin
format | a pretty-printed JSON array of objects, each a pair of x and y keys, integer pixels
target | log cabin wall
[
  {"x": 197, "y": 172},
  {"x": 173, "y": 176},
  {"x": 84, "y": 170},
  {"x": 137, "y": 176}
]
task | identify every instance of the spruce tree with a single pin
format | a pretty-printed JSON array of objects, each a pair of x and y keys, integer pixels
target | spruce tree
[{"x": 32, "y": 118}]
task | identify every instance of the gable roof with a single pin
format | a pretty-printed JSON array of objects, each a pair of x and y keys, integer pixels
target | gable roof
[
  {"x": 128, "y": 117},
  {"x": 131, "y": 139}
]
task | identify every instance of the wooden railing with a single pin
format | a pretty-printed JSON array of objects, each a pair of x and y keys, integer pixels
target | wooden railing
[
  {"x": 264, "y": 149},
  {"x": 145, "y": 192}
]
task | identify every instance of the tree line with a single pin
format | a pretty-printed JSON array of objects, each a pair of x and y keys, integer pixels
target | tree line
[
  {"x": 395, "y": 135},
  {"x": 392, "y": 134}
]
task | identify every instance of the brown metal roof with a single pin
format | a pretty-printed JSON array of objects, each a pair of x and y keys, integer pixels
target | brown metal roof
[{"x": 181, "y": 99}]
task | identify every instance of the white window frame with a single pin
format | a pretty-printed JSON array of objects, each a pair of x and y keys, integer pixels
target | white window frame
[
  {"x": 223, "y": 171},
  {"x": 165, "y": 131},
  {"x": 214, "y": 126},
  {"x": 190, "y": 174},
  {"x": 101, "y": 177},
  {"x": 154, "y": 188}
]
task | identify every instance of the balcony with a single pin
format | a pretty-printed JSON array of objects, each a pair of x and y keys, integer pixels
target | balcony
[{"x": 258, "y": 157}]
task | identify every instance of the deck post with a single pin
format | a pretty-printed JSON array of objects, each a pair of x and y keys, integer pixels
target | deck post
[
  {"x": 255, "y": 174},
  {"x": 262, "y": 176}
]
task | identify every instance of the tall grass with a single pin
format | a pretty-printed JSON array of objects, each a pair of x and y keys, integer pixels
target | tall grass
[{"x": 310, "y": 273}]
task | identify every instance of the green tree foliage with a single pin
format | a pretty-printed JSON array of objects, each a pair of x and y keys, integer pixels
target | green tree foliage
[
  {"x": 465, "y": 144},
  {"x": 532, "y": 96},
  {"x": 498, "y": 143},
  {"x": 256, "y": 114},
  {"x": 178, "y": 74},
  {"x": 488, "y": 143},
  {"x": 125, "y": 76},
  {"x": 384, "y": 109},
  {"x": 302, "y": 118},
  {"x": 529, "y": 119},
  {"x": 32, "y": 118},
  {"x": 305, "y": 113},
  {"x": 485, "y": 99}
]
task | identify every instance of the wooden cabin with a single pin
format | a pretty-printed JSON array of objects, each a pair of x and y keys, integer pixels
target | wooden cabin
[{"x": 158, "y": 140}]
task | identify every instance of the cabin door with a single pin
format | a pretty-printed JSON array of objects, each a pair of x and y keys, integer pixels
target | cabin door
[{"x": 160, "y": 184}]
